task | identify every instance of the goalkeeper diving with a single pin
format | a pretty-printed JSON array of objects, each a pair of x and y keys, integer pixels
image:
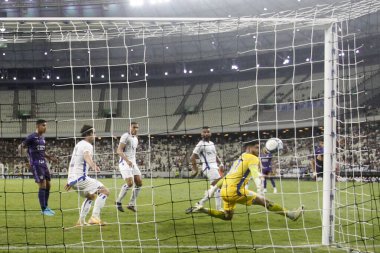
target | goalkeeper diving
[{"x": 233, "y": 190}]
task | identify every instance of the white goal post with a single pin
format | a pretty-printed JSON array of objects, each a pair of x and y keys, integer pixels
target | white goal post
[{"x": 329, "y": 159}]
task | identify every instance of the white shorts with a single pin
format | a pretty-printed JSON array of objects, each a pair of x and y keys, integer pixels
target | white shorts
[
  {"x": 211, "y": 173},
  {"x": 87, "y": 186},
  {"x": 128, "y": 172}
]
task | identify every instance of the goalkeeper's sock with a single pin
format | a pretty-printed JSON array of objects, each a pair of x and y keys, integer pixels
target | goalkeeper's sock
[
  {"x": 135, "y": 193},
  {"x": 99, "y": 204},
  {"x": 273, "y": 207},
  {"x": 213, "y": 213},
  {"x": 123, "y": 192},
  {"x": 86, "y": 206}
]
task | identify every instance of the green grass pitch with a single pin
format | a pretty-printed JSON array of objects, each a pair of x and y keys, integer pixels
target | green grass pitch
[{"x": 161, "y": 225}]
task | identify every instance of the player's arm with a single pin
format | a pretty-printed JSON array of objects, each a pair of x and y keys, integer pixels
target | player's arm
[
  {"x": 260, "y": 168},
  {"x": 120, "y": 152},
  {"x": 220, "y": 162},
  {"x": 274, "y": 168},
  {"x": 313, "y": 168},
  {"x": 51, "y": 158},
  {"x": 21, "y": 149},
  {"x": 67, "y": 187},
  {"x": 194, "y": 164},
  {"x": 254, "y": 167},
  {"x": 193, "y": 158},
  {"x": 88, "y": 158},
  {"x": 255, "y": 170}
]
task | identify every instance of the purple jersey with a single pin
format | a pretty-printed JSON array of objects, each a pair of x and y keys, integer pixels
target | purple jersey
[
  {"x": 266, "y": 162},
  {"x": 318, "y": 151},
  {"x": 36, "y": 149}
]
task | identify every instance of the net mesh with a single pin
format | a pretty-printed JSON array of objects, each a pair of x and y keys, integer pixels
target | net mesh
[
  {"x": 356, "y": 224},
  {"x": 259, "y": 77}
]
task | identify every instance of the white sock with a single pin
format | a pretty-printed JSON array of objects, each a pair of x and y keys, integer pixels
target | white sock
[
  {"x": 123, "y": 192},
  {"x": 204, "y": 199},
  {"x": 86, "y": 206},
  {"x": 218, "y": 200},
  {"x": 258, "y": 184},
  {"x": 208, "y": 194},
  {"x": 99, "y": 204},
  {"x": 135, "y": 193}
]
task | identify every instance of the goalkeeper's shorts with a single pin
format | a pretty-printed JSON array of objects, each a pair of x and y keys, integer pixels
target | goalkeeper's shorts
[{"x": 231, "y": 196}]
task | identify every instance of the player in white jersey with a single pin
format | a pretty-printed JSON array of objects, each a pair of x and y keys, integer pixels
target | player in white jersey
[
  {"x": 81, "y": 161},
  {"x": 206, "y": 152},
  {"x": 128, "y": 167}
]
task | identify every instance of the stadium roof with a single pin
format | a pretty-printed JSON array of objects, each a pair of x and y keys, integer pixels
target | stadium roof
[
  {"x": 36, "y": 24},
  {"x": 162, "y": 8}
]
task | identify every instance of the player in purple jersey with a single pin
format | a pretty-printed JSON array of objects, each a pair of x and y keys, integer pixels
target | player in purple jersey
[
  {"x": 35, "y": 145},
  {"x": 266, "y": 169},
  {"x": 317, "y": 161}
]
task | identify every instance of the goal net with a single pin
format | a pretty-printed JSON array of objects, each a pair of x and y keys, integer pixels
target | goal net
[{"x": 295, "y": 75}]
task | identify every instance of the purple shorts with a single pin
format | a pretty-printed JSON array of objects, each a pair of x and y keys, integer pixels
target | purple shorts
[
  {"x": 40, "y": 173},
  {"x": 267, "y": 171},
  {"x": 319, "y": 170}
]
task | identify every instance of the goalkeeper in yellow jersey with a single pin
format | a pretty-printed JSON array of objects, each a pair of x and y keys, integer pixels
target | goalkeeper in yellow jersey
[{"x": 233, "y": 189}]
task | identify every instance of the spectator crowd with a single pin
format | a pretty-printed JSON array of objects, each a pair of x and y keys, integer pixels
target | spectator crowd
[{"x": 168, "y": 153}]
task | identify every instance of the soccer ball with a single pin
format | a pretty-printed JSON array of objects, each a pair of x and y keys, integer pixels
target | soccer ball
[{"x": 274, "y": 145}]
